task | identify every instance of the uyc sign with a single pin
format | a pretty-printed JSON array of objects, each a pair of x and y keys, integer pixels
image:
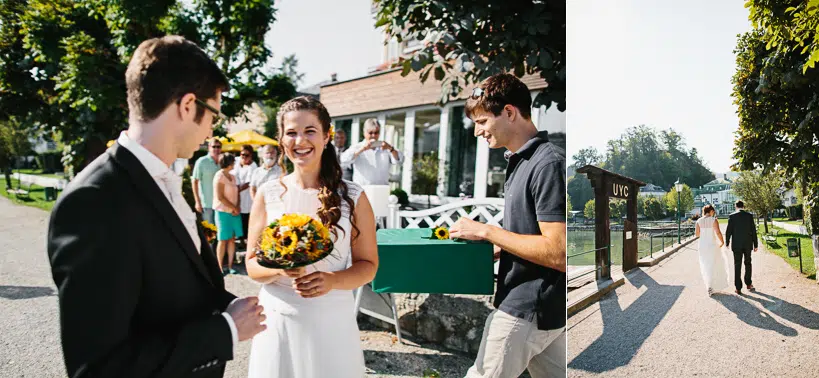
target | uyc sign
[{"x": 619, "y": 190}]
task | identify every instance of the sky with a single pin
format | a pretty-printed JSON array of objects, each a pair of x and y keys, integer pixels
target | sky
[
  {"x": 327, "y": 36},
  {"x": 659, "y": 63}
]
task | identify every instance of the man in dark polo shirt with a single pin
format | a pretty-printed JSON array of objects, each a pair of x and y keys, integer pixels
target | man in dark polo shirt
[{"x": 527, "y": 329}]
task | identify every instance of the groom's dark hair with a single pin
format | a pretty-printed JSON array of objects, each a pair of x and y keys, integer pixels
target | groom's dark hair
[
  {"x": 498, "y": 91},
  {"x": 164, "y": 69},
  {"x": 740, "y": 205}
]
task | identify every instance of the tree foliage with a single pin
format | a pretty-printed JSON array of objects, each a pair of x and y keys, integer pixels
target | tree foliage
[
  {"x": 76, "y": 53},
  {"x": 588, "y": 209},
  {"x": 654, "y": 208},
  {"x": 777, "y": 98},
  {"x": 761, "y": 192},
  {"x": 14, "y": 143},
  {"x": 686, "y": 200},
  {"x": 466, "y": 41},
  {"x": 579, "y": 187}
]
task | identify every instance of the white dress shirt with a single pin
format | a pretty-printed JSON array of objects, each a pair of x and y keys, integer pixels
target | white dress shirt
[
  {"x": 243, "y": 174},
  {"x": 171, "y": 186},
  {"x": 371, "y": 167}
]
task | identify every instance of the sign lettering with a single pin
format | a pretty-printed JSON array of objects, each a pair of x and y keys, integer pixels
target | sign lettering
[{"x": 619, "y": 190}]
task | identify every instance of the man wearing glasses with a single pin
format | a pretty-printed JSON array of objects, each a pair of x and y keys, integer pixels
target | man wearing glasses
[
  {"x": 140, "y": 290},
  {"x": 203, "y": 172}
]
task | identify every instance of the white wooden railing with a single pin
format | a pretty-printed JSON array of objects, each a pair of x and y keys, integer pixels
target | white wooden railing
[{"x": 490, "y": 209}]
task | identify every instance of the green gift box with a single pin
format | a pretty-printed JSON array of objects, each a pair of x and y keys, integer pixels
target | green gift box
[{"x": 410, "y": 261}]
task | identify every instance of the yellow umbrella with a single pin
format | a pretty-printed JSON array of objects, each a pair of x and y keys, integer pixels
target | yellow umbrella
[{"x": 240, "y": 138}]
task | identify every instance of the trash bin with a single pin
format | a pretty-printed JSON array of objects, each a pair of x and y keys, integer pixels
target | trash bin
[{"x": 50, "y": 193}]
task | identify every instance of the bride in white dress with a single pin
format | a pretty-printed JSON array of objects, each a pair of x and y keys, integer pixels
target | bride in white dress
[
  {"x": 311, "y": 326},
  {"x": 712, "y": 262}
]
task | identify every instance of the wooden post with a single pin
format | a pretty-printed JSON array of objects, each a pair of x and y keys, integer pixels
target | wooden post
[
  {"x": 630, "y": 226},
  {"x": 602, "y": 233}
]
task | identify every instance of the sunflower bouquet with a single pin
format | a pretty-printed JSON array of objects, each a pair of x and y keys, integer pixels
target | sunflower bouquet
[
  {"x": 209, "y": 230},
  {"x": 293, "y": 241}
]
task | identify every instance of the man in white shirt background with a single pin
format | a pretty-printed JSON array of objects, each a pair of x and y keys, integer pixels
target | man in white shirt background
[
  {"x": 269, "y": 170},
  {"x": 243, "y": 171},
  {"x": 340, "y": 142},
  {"x": 371, "y": 159}
]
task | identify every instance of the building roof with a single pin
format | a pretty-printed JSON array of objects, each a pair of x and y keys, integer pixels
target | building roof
[
  {"x": 387, "y": 90},
  {"x": 652, "y": 188}
]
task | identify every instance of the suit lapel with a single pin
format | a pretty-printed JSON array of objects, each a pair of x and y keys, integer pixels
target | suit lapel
[{"x": 146, "y": 185}]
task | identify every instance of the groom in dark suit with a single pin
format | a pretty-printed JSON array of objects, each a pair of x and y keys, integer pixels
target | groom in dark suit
[
  {"x": 742, "y": 230},
  {"x": 140, "y": 291}
]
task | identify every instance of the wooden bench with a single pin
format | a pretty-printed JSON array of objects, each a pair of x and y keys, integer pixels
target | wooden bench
[
  {"x": 23, "y": 189},
  {"x": 770, "y": 238}
]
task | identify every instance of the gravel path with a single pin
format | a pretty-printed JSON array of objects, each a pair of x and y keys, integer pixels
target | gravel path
[
  {"x": 29, "y": 319},
  {"x": 662, "y": 323}
]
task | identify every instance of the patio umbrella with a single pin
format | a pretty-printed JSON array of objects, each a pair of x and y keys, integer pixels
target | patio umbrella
[{"x": 240, "y": 138}]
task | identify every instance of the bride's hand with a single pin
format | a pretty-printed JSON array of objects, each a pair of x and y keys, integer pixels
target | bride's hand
[
  {"x": 314, "y": 284},
  {"x": 295, "y": 273}
]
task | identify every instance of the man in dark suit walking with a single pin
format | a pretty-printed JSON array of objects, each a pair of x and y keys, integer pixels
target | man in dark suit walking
[
  {"x": 140, "y": 291},
  {"x": 742, "y": 230}
]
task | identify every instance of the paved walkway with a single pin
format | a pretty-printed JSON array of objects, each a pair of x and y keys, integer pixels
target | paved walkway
[
  {"x": 29, "y": 317},
  {"x": 43, "y": 181},
  {"x": 662, "y": 323},
  {"x": 795, "y": 228}
]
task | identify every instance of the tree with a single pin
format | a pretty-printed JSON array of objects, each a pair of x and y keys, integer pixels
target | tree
[
  {"x": 568, "y": 204},
  {"x": 654, "y": 208},
  {"x": 13, "y": 143},
  {"x": 587, "y": 156},
  {"x": 579, "y": 187},
  {"x": 425, "y": 175},
  {"x": 760, "y": 191},
  {"x": 77, "y": 53},
  {"x": 464, "y": 42},
  {"x": 617, "y": 208},
  {"x": 777, "y": 102},
  {"x": 659, "y": 158},
  {"x": 588, "y": 210},
  {"x": 686, "y": 200}
]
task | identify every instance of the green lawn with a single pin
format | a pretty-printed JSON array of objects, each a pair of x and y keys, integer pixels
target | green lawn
[
  {"x": 39, "y": 172},
  {"x": 36, "y": 196},
  {"x": 781, "y": 249}
]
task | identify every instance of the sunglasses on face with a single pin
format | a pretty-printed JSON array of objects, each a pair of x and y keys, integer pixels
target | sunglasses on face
[
  {"x": 244, "y": 155},
  {"x": 216, "y": 147},
  {"x": 218, "y": 116}
]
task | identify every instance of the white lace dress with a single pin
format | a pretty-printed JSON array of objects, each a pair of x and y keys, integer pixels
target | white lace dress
[
  {"x": 712, "y": 260},
  {"x": 307, "y": 337}
]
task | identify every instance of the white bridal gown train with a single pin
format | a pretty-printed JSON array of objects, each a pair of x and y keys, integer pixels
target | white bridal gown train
[{"x": 712, "y": 260}]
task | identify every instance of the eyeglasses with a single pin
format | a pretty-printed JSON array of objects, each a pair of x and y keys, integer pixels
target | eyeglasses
[
  {"x": 218, "y": 116},
  {"x": 244, "y": 155},
  {"x": 216, "y": 147},
  {"x": 476, "y": 93}
]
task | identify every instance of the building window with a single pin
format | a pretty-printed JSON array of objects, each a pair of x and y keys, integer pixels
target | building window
[
  {"x": 347, "y": 126},
  {"x": 393, "y": 132},
  {"x": 425, "y": 159},
  {"x": 496, "y": 176},
  {"x": 462, "y": 154}
]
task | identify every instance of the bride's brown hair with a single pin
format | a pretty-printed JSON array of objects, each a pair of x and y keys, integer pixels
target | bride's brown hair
[
  {"x": 707, "y": 209},
  {"x": 332, "y": 189}
]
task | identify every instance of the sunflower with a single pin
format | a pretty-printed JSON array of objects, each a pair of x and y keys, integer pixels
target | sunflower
[
  {"x": 288, "y": 243},
  {"x": 268, "y": 239},
  {"x": 441, "y": 233}
]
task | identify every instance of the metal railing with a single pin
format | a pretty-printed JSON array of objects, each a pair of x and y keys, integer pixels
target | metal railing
[{"x": 597, "y": 268}]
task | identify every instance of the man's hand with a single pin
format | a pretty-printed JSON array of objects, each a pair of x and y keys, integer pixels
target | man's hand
[
  {"x": 247, "y": 316},
  {"x": 386, "y": 146},
  {"x": 496, "y": 254},
  {"x": 468, "y": 229},
  {"x": 755, "y": 249},
  {"x": 199, "y": 207}
]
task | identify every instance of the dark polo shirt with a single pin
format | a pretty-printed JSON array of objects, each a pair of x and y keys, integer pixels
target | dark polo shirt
[{"x": 535, "y": 191}]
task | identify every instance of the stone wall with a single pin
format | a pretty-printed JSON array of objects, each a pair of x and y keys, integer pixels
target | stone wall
[{"x": 453, "y": 321}]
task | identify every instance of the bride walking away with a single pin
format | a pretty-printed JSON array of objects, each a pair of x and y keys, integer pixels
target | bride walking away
[{"x": 712, "y": 263}]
